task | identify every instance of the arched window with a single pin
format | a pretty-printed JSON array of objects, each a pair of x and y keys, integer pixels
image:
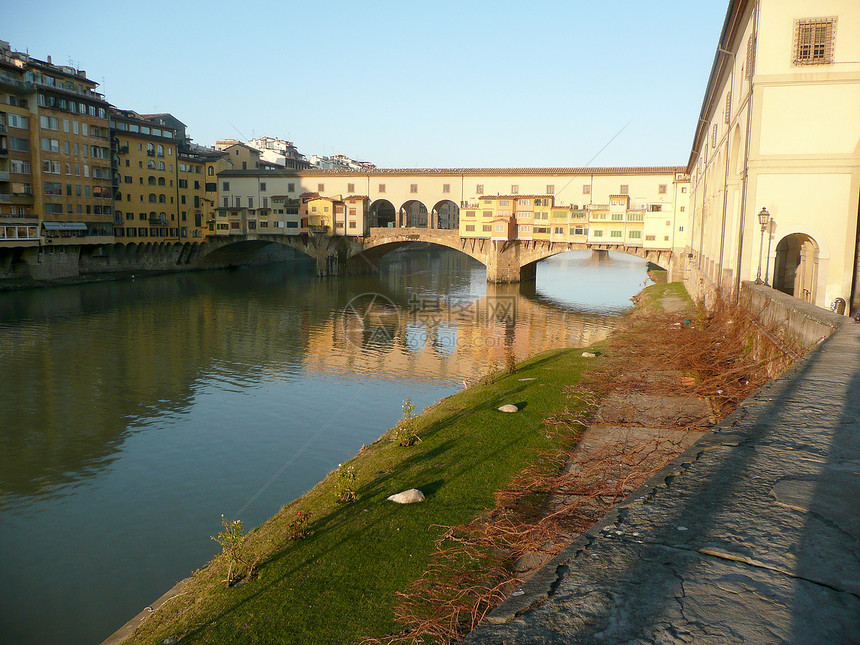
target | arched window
[
  {"x": 150, "y": 180},
  {"x": 161, "y": 199},
  {"x": 161, "y": 165},
  {"x": 210, "y": 170},
  {"x": 150, "y": 149},
  {"x": 153, "y": 198},
  {"x": 161, "y": 181},
  {"x": 160, "y": 150},
  {"x": 150, "y": 164}
]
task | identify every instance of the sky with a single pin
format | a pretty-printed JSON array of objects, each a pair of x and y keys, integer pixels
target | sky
[{"x": 406, "y": 84}]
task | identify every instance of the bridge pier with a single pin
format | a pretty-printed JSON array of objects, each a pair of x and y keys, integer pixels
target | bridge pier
[
  {"x": 504, "y": 264},
  {"x": 599, "y": 254}
]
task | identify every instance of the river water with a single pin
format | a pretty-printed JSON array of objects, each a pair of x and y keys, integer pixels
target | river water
[{"x": 133, "y": 414}]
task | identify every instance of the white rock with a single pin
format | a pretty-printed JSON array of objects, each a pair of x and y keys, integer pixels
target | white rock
[
  {"x": 588, "y": 355},
  {"x": 510, "y": 407},
  {"x": 410, "y": 496}
]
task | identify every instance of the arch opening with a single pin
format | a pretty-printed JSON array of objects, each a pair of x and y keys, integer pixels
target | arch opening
[
  {"x": 382, "y": 214},
  {"x": 795, "y": 270},
  {"x": 413, "y": 214},
  {"x": 446, "y": 215}
]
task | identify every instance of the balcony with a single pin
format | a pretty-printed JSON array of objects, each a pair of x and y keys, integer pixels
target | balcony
[
  {"x": 3, "y": 127},
  {"x": 4, "y": 175},
  {"x": 158, "y": 221},
  {"x": 8, "y": 81},
  {"x": 4, "y": 152}
]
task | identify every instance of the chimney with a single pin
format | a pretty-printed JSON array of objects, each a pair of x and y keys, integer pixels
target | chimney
[{"x": 50, "y": 62}]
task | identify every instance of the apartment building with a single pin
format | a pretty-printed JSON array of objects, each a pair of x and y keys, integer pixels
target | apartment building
[{"x": 145, "y": 166}]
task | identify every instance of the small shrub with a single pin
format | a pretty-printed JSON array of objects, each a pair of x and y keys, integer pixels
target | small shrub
[
  {"x": 344, "y": 483},
  {"x": 406, "y": 430},
  {"x": 300, "y": 526},
  {"x": 231, "y": 538}
]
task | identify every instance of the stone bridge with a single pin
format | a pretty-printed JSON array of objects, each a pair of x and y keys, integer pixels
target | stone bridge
[{"x": 506, "y": 261}]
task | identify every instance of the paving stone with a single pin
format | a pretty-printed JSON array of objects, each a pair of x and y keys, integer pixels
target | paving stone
[{"x": 751, "y": 535}]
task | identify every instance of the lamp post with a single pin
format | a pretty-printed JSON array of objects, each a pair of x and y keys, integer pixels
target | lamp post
[{"x": 763, "y": 219}]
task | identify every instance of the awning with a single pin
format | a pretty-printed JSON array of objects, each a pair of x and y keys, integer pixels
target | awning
[{"x": 64, "y": 226}]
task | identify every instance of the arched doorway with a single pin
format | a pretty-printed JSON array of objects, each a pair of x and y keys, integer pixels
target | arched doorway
[
  {"x": 414, "y": 214},
  {"x": 446, "y": 215},
  {"x": 382, "y": 214},
  {"x": 795, "y": 270}
]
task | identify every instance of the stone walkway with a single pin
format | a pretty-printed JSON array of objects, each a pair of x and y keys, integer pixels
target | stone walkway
[{"x": 752, "y": 535}]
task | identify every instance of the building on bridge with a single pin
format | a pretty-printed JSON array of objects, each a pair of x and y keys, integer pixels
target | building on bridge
[{"x": 613, "y": 206}]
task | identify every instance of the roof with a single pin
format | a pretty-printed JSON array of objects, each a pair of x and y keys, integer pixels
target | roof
[
  {"x": 456, "y": 172},
  {"x": 720, "y": 66}
]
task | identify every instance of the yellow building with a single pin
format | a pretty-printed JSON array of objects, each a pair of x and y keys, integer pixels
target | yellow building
[
  {"x": 145, "y": 178},
  {"x": 19, "y": 219}
]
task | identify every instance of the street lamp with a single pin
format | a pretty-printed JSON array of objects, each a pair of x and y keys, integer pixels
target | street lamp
[{"x": 763, "y": 219}]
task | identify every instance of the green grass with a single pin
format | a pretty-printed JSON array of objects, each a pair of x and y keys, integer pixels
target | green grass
[
  {"x": 652, "y": 295},
  {"x": 339, "y": 584}
]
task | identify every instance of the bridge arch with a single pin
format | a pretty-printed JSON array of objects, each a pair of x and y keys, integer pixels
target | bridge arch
[
  {"x": 445, "y": 215},
  {"x": 534, "y": 252},
  {"x": 414, "y": 214},
  {"x": 382, "y": 214}
]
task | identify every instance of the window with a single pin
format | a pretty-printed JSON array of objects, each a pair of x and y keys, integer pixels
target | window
[
  {"x": 635, "y": 235},
  {"x": 320, "y": 188},
  {"x": 487, "y": 228},
  {"x": 515, "y": 189},
  {"x": 683, "y": 208},
  {"x": 714, "y": 136},
  {"x": 683, "y": 189},
  {"x": 50, "y": 145},
  {"x": 413, "y": 188},
  {"x": 446, "y": 188},
  {"x": 813, "y": 41},
  {"x": 615, "y": 233},
  {"x": 262, "y": 185},
  {"x": 624, "y": 189},
  {"x": 618, "y": 217},
  {"x": 225, "y": 186},
  {"x": 559, "y": 230},
  {"x": 661, "y": 189},
  {"x": 350, "y": 188},
  {"x": 597, "y": 233},
  {"x": 586, "y": 189},
  {"x": 291, "y": 188},
  {"x": 649, "y": 238},
  {"x": 748, "y": 66},
  {"x": 470, "y": 228},
  {"x": 381, "y": 188},
  {"x": 49, "y": 123},
  {"x": 550, "y": 189},
  {"x": 17, "y": 121},
  {"x": 479, "y": 189}
]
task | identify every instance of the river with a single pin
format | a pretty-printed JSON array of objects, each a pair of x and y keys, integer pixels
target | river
[{"x": 135, "y": 413}]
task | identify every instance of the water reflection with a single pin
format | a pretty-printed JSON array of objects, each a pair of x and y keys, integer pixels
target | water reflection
[{"x": 135, "y": 413}]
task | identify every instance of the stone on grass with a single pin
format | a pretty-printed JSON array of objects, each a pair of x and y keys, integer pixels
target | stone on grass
[
  {"x": 510, "y": 407},
  {"x": 410, "y": 496},
  {"x": 588, "y": 355}
]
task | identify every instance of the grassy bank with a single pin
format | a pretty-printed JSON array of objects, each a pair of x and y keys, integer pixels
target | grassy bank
[{"x": 338, "y": 584}]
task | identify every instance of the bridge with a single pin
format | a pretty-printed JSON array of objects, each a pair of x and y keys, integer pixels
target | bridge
[{"x": 507, "y": 261}]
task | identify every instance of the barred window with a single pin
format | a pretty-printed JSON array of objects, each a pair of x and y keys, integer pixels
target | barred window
[{"x": 813, "y": 41}]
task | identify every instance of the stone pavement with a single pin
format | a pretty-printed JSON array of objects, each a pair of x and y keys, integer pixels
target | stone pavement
[{"x": 752, "y": 535}]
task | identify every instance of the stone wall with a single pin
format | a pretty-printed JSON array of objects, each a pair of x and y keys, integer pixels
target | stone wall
[{"x": 802, "y": 322}]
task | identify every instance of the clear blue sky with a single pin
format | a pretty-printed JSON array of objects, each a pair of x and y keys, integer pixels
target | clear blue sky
[{"x": 401, "y": 83}]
